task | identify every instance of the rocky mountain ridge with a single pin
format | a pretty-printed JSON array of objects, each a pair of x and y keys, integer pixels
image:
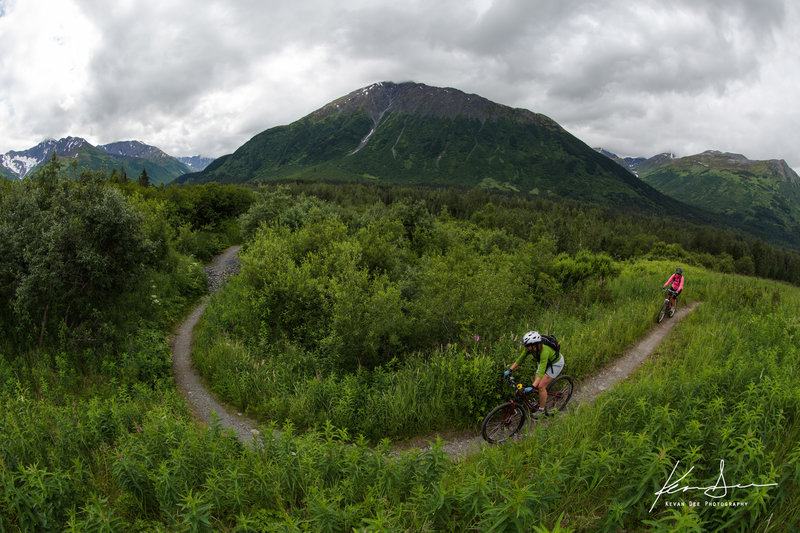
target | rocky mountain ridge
[{"x": 133, "y": 155}]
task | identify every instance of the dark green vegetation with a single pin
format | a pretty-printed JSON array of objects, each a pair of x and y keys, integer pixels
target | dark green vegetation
[
  {"x": 73, "y": 250},
  {"x": 348, "y": 280},
  {"x": 161, "y": 171},
  {"x": 414, "y": 134},
  {"x": 761, "y": 196},
  {"x": 6, "y": 174},
  {"x": 349, "y": 297}
]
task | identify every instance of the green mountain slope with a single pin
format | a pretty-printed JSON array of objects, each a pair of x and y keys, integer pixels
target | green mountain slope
[
  {"x": 414, "y": 134},
  {"x": 764, "y": 196},
  {"x": 159, "y": 171},
  {"x": 6, "y": 174},
  {"x": 77, "y": 154}
]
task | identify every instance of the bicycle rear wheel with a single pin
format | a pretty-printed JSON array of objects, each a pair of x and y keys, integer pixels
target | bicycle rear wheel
[
  {"x": 558, "y": 393},
  {"x": 503, "y": 422},
  {"x": 662, "y": 312}
]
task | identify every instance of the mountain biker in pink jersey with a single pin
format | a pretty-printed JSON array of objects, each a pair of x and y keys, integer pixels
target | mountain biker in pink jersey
[{"x": 676, "y": 284}]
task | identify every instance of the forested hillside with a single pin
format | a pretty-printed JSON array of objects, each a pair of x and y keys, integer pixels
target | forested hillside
[
  {"x": 763, "y": 196},
  {"x": 365, "y": 313}
]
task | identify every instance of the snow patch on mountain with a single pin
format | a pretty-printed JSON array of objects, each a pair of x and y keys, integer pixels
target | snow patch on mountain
[{"x": 20, "y": 165}]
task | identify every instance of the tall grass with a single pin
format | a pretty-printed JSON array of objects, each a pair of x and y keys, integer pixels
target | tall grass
[
  {"x": 448, "y": 386},
  {"x": 724, "y": 385}
]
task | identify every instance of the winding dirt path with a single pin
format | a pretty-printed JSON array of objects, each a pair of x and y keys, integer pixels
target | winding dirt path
[
  {"x": 202, "y": 403},
  {"x": 457, "y": 444}
]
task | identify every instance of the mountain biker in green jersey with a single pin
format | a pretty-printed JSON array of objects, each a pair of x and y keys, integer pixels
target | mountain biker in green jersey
[{"x": 549, "y": 364}]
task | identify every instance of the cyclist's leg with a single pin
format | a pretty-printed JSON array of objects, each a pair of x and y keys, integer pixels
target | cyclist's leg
[
  {"x": 544, "y": 382},
  {"x": 550, "y": 374}
]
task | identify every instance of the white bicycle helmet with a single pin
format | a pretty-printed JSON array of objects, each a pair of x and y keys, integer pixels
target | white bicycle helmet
[{"x": 532, "y": 337}]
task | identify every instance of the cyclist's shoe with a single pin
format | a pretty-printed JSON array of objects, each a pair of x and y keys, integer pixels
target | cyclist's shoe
[
  {"x": 541, "y": 413},
  {"x": 528, "y": 390}
]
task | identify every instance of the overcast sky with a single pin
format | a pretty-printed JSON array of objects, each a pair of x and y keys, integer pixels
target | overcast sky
[{"x": 202, "y": 77}]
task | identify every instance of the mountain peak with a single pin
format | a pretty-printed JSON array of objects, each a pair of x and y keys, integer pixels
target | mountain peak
[
  {"x": 424, "y": 100},
  {"x": 134, "y": 149},
  {"x": 21, "y": 163},
  {"x": 134, "y": 156}
]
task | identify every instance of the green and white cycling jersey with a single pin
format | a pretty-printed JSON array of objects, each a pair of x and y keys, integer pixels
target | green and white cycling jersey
[{"x": 547, "y": 358}]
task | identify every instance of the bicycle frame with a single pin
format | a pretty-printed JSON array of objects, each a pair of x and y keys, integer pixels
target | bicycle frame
[
  {"x": 669, "y": 305},
  {"x": 519, "y": 392},
  {"x": 672, "y": 296},
  {"x": 505, "y": 420}
]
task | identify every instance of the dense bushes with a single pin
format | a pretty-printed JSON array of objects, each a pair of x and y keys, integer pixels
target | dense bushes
[
  {"x": 72, "y": 249},
  {"x": 573, "y": 226},
  {"x": 354, "y": 315},
  {"x": 67, "y": 248}
]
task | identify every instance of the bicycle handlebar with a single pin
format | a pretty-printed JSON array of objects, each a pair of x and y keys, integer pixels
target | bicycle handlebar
[{"x": 513, "y": 382}]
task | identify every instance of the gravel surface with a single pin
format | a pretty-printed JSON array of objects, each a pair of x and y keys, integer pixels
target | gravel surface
[
  {"x": 224, "y": 265},
  {"x": 457, "y": 444},
  {"x": 202, "y": 403}
]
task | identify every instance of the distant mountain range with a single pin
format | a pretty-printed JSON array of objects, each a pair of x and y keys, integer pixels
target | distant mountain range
[
  {"x": 631, "y": 163},
  {"x": 761, "y": 196},
  {"x": 196, "y": 163},
  {"x": 410, "y": 134},
  {"x": 414, "y": 134},
  {"x": 133, "y": 156}
]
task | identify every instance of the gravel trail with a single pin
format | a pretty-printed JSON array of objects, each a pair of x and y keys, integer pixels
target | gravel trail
[
  {"x": 202, "y": 403},
  {"x": 457, "y": 444}
]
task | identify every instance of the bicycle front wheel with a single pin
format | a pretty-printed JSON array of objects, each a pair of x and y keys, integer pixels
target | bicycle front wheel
[
  {"x": 558, "y": 393},
  {"x": 662, "y": 312},
  {"x": 502, "y": 423}
]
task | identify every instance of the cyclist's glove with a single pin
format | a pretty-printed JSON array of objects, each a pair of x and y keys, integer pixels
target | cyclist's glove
[{"x": 507, "y": 373}]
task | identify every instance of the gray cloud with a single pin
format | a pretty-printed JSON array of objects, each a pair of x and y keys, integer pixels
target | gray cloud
[{"x": 635, "y": 77}]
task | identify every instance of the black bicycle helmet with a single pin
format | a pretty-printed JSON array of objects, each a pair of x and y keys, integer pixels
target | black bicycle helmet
[{"x": 679, "y": 271}]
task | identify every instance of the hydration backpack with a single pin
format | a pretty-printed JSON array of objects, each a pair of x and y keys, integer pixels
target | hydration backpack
[{"x": 551, "y": 341}]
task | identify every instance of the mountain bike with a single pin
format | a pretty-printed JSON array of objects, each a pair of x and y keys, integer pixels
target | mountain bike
[
  {"x": 505, "y": 420},
  {"x": 669, "y": 306}
]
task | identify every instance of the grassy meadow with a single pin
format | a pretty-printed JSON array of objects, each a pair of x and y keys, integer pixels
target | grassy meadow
[{"x": 354, "y": 323}]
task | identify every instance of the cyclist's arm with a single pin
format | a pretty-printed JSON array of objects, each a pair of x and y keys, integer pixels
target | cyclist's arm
[
  {"x": 519, "y": 360},
  {"x": 669, "y": 280}
]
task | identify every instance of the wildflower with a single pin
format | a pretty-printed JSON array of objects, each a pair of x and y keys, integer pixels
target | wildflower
[{"x": 477, "y": 338}]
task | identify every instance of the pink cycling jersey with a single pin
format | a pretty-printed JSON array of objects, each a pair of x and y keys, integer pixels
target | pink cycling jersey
[{"x": 677, "y": 282}]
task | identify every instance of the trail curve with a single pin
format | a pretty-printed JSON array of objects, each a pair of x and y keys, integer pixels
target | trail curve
[{"x": 456, "y": 444}]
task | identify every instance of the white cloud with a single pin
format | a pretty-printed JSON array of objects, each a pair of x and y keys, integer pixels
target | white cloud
[{"x": 635, "y": 77}]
